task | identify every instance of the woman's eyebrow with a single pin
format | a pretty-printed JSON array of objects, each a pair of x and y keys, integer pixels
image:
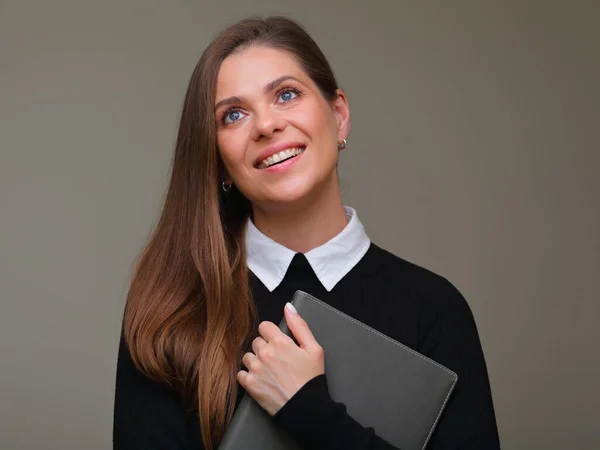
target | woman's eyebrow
[
  {"x": 273, "y": 84},
  {"x": 268, "y": 87}
]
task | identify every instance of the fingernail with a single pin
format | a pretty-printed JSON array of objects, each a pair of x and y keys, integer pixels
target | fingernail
[{"x": 291, "y": 307}]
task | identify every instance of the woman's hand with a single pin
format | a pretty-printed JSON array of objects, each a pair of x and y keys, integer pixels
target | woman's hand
[{"x": 277, "y": 367}]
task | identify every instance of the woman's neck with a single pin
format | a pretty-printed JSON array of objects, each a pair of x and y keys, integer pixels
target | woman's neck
[{"x": 302, "y": 228}]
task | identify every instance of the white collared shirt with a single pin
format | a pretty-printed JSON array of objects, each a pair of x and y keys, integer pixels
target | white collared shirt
[{"x": 269, "y": 260}]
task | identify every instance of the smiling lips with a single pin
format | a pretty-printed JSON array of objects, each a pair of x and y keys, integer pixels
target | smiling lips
[{"x": 281, "y": 156}]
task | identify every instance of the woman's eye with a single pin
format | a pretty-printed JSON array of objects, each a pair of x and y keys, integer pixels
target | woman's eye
[
  {"x": 232, "y": 116},
  {"x": 287, "y": 96}
]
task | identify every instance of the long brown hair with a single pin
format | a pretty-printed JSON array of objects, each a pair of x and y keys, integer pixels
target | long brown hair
[{"x": 189, "y": 315}]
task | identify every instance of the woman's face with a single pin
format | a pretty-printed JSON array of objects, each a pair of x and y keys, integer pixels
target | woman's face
[{"x": 277, "y": 134}]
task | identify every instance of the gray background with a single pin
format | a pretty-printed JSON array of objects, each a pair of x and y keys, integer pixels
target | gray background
[{"x": 474, "y": 152}]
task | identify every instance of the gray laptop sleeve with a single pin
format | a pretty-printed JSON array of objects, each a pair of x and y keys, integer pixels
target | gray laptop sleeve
[{"x": 384, "y": 385}]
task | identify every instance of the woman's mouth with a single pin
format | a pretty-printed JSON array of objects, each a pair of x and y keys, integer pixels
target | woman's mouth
[{"x": 280, "y": 157}]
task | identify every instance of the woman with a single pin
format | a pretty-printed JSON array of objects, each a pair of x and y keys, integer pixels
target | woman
[{"x": 253, "y": 212}]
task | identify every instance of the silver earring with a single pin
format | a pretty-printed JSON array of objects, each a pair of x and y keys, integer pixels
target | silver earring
[
  {"x": 226, "y": 187},
  {"x": 342, "y": 145}
]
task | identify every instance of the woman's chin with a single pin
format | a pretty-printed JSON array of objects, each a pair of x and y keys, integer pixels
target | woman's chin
[
  {"x": 290, "y": 190},
  {"x": 283, "y": 199},
  {"x": 293, "y": 191}
]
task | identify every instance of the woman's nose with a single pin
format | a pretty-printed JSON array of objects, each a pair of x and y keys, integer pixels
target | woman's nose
[{"x": 266, "y": 123}]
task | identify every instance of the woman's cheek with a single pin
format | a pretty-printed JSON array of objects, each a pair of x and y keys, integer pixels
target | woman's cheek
[{"x": 229, "y": 152}]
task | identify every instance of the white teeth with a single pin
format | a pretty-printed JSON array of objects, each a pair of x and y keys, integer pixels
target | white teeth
[{"x": 281, "y": 156}]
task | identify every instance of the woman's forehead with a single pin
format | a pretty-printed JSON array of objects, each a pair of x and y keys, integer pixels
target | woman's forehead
[{"x": 253, "y": 68}]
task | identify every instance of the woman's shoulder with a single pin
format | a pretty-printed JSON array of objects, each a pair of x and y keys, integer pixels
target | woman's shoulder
[
  {"x": 413, "y": 280},
  {"x": 385, "y": 263}
]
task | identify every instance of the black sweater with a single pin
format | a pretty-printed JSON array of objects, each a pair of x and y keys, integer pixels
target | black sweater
[{"x": 408, "y": 303}]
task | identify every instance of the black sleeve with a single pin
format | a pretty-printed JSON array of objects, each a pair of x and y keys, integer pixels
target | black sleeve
[
  {"x": 468, "y": 422},
  {"x": 317, "y": 422},
  {"x": 450, "y": 337},
  {"x": 146, "y": 415}
]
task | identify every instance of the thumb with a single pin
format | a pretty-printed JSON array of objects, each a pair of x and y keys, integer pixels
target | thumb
[{"x": 299, "y": 328}]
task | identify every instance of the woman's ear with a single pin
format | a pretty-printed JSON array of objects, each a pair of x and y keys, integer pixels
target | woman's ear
[{"x": 341, "y": 110}]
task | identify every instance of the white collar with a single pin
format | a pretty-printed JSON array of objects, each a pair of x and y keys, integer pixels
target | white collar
[{"x": 269, "y": 260}]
